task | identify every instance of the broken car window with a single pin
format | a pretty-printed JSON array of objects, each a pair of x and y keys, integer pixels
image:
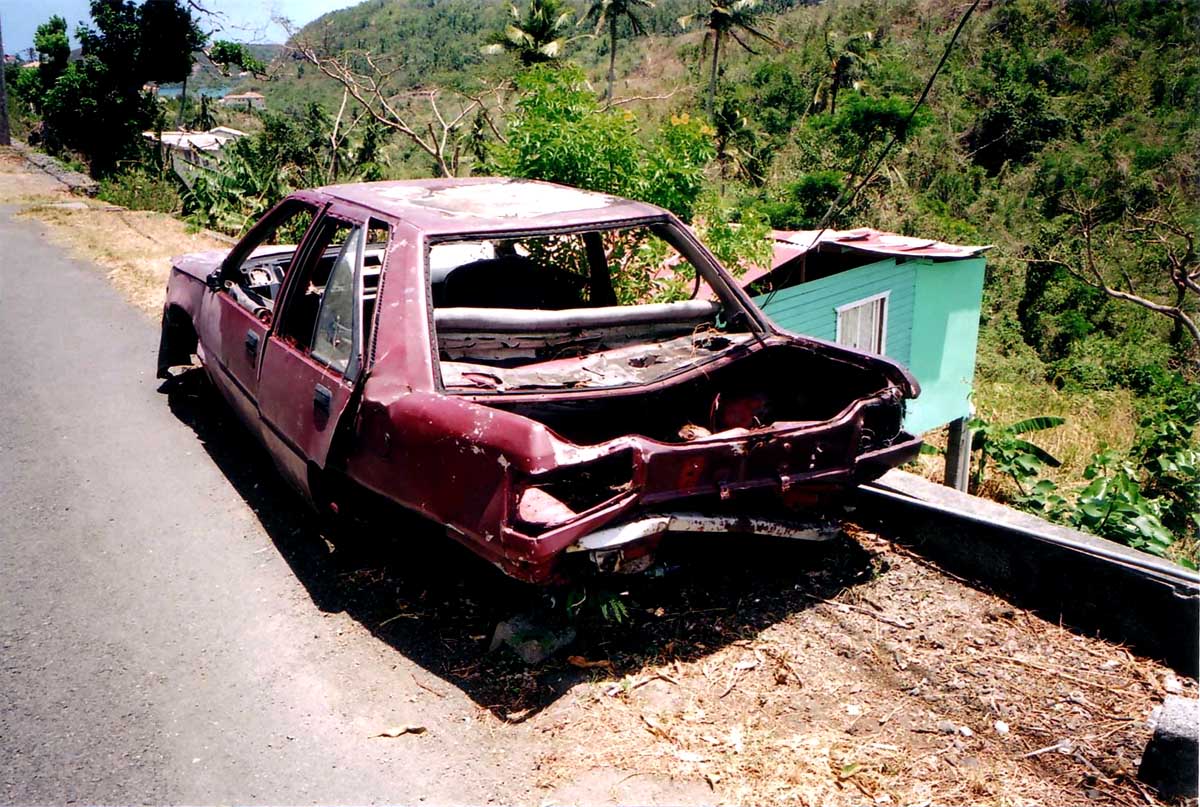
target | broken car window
[
  {"x": 319, "y": 314},
  {"x": 590, "y": 309},
  {"x": 260, "y": 272},
  {"x": 334, "y": 333}
]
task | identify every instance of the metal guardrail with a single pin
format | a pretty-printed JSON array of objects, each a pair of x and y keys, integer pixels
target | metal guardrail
[{"x": 1147, "y": 563}]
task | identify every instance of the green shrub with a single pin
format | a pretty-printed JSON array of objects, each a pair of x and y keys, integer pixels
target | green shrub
[
  {"x": 559, "y": 133},
  {"x": 139, "y": 189},
  {"x": 803, "y": 202}
]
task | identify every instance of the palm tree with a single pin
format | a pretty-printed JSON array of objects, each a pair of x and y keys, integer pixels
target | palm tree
[
  {"x": 610, "y": 12},
  {"x": 848, "y": 62},
  {"x": 737, "y": 19},
  {"x": 537, "y": 37}
]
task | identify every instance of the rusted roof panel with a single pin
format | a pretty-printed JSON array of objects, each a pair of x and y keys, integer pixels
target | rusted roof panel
[
  {"x": 488, "y": 203},
  {"x": 790, "y": 244}
]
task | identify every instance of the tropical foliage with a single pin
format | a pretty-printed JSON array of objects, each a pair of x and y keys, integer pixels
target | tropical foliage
[
  {"x": 740, "y": 20},
  {"x": 608, "y": 14},
  {"x": 537, "y": 36}
]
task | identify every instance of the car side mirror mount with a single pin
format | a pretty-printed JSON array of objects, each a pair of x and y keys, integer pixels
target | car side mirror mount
[{"x": 213, "y": 281}]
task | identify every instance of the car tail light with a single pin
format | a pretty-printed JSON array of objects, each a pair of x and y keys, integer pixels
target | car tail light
[{"x": 545, "y": 501}]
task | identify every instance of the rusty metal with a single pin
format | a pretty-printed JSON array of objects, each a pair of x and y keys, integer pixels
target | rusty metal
[{"x": 474, "y": 446}]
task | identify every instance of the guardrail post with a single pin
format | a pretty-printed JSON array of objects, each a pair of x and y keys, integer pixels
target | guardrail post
[{"x": 958, "y": 455}]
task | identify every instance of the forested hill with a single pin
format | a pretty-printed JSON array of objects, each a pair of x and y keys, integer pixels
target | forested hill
[
  {"x": 1057, "y": 131},
  {"x": 439, "y": 39}
]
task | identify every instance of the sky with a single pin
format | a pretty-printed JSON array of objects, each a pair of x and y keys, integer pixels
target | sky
[{"x": 238, "y": 20}]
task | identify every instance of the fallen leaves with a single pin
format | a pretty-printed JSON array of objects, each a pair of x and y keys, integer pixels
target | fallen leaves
[
  {"x": 586, "y": 664},
  {"x": 400, "y": 731}
]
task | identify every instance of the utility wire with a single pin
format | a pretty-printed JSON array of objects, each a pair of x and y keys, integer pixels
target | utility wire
[{"x": 837, "y": 203}]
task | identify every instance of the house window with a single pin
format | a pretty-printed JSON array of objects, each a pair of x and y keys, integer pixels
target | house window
[{"x": 863, "y": 324}]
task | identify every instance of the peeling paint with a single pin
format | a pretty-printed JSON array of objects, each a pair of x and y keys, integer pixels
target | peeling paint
[{"x": 595, "y": 457}]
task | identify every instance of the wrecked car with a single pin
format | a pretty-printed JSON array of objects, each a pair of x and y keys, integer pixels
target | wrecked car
[{"x": 503, "y": 357}]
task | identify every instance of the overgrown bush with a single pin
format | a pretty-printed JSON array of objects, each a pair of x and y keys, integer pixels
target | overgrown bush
[
  {"x": 559, "y": 133},
  {"x": 1147, "y": 498},
  {"x": 293, "y": 150},
  {"x": 140, "y": 189}
]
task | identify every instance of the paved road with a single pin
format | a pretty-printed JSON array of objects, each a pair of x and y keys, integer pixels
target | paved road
[{"x": 157, "y": 643}]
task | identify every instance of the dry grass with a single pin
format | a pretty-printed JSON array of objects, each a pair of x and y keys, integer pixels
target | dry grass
[
  {"x": 907, "y": 689},
  {"x": 1095, "y": 420},
  {"x": 135, "y": 247}
]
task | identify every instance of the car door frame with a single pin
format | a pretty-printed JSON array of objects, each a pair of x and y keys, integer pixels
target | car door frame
[
  {"x": 238, "y": 357},
  {"x": 302, "y": 401}
]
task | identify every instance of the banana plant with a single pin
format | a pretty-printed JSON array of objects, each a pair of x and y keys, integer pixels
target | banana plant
[{"x": 1011, "y": 454}]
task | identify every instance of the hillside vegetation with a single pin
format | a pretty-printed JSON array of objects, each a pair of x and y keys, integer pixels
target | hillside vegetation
[{"x": 1063, "y": 133}]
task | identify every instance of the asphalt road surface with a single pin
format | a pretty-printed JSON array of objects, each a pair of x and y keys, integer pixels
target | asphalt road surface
[{"x": 156, "y": 642}]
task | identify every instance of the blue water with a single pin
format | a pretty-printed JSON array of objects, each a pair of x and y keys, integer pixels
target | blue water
[{"x": 173, "y": 91}]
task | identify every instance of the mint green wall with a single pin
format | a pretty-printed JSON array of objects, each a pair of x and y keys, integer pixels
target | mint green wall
[
  {"x": 811, "y": 308},
  {"x": 948, "y": 297},
  {"x": 932, "y": 326}
]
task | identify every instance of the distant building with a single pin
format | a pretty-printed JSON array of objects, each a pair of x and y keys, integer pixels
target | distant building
[
  {"x": 192, "y": 152},
  {"x": 249, "y": 100}
]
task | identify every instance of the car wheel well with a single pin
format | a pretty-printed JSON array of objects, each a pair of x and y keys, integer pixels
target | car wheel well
[{"x": 178, "y": 340}]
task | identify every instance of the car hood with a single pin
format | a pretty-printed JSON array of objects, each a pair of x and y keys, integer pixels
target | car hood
[{"x": 199, "y": 264}]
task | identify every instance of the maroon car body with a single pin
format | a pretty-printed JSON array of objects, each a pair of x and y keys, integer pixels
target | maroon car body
[{"x": 437, "y": 372}]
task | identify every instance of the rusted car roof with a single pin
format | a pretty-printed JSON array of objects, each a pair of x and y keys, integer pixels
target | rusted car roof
[{"x": 486, "y": 204}]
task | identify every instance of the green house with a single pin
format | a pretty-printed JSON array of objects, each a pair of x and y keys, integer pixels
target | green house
[{"x": 914, "y": 300}]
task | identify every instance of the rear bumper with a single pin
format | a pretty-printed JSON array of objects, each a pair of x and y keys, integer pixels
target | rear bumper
[
  {"x": 637, "y": 516},
  {"x": 628, "y": 548},
  {"x": 814, "y": 530}
]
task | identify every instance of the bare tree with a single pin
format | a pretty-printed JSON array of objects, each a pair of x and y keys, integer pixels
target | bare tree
[
  {"x": 1157, "y": 240},
  {"x": 369, "y": 80}
]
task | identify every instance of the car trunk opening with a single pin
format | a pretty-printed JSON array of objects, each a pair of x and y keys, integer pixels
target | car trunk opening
[
  {"x": 597, "y": 308},
  {"x": 776, "y": 387}
]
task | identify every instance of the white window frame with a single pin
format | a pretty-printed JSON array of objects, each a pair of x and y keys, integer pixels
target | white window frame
[{"x": 883, "y": 326}]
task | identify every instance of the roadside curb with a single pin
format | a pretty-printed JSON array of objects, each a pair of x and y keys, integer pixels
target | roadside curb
[{"x": 76, "y": 182}]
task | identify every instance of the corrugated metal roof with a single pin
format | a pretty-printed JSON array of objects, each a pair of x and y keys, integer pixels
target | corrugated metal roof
[
  {"x": 791, "y": 244},
  {"x": 212, "y": 140},
  {"x": 864, "y": 239}
]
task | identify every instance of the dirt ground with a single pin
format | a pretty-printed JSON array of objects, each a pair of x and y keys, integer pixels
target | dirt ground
[
  {"x": 756, "y": 673},
  {"x": 857, "y": 673}
]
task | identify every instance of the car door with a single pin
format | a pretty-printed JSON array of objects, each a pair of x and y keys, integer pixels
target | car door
[
  {"x": 314, "y": 354},
  {"x": 236, "y": 317}
]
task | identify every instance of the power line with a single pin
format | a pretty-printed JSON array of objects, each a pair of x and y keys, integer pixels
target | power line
[{"x": 837, "y": 203}]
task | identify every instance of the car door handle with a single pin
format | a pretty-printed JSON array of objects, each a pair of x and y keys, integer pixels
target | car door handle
[
  {"x": 252, "y": 345},
  {"x": 322, "y": 397}
]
